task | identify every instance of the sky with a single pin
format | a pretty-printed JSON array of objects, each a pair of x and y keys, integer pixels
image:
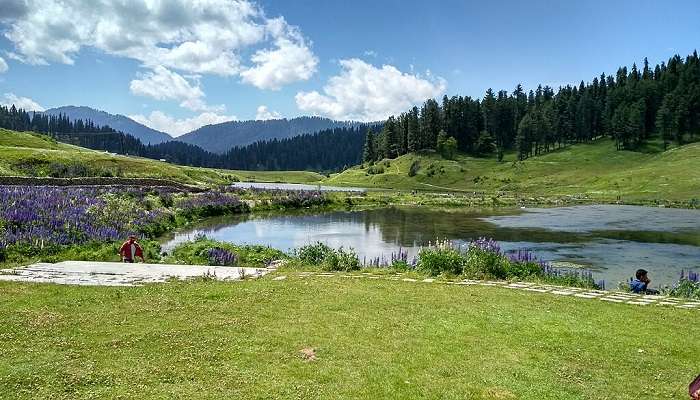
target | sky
[{"x": 176, "y": 65}]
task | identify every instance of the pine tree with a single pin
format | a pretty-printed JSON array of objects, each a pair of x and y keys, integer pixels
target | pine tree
[
  {"x": 390, "y": 136},
  {"x": 664, "y": 123},
  {"x": 524, "y": 139},
  {"x": 486, "y": 144},
  {"x": 413, "y": 131},
  {"x": 369, "y": 150}
]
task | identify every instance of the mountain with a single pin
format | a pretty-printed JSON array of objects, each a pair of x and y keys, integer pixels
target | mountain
[
  {"x": 221, "y": 137},
  {"x": 116, "y": 121}
]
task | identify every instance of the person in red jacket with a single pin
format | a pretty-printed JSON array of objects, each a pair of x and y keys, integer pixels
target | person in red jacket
[{"x": 130, "y": 250}]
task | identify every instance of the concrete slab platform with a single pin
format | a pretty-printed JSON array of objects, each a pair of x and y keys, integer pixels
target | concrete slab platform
[{"x": 93, "y": 273}]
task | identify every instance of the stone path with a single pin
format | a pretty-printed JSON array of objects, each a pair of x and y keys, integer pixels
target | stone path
[
  {"x": 121, "y": 274},
  {"x": 601, "y": 295}
]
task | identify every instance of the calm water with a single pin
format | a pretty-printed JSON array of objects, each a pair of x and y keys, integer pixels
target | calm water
[
  {"x": 613, "y": 241},
  {"x": 294, "y": 186}
]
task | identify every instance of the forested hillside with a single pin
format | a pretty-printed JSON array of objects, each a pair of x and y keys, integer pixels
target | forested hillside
[
  {"x": 116, "y": 121},
  {"x": 632, "y": 107},
  {"x": 327, "y": 151},
  {"x": 219, "y": 138}
]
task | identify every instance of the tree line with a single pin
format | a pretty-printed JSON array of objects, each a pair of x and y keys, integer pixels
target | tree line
[
  {"x": 631, "y": 107},
  {"x": 324, "y": 151}
]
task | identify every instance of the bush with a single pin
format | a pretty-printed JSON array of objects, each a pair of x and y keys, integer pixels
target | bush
[
  {"x": 375, "y": 170},
  {"x": 441, "y": 259},
  {"x": 685, "y": 288},
  {"x": 341, "y": 260},
  {"x": 205, "y": 251},
  {"x": 485, "y": 260},
  {"x": 484, "y": 264},
  {"x": 400, "y": 266},
  {"x": 313, "y": 254},
  {"x": 319, "y": 254},
  {"x": 415, "y": 167}
]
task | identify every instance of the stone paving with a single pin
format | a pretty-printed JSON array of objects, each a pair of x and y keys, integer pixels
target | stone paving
[
  {"x": 120, "y": 274},
  {"x": 93, "y": 273},
  {"x": 601, "y": 295}
]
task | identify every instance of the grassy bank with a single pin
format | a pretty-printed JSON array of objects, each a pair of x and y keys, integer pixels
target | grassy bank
[
  {"x": 372, "y": 339},
  {"x": 25, "y": 154},
  {"x": 52, "y": 224},
  {"x": 589, "y": 172},
  {"x": 594, "y": 170}
]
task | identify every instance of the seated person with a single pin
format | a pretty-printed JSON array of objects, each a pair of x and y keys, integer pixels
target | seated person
[
  {"x": 641, "y": 283},
  {"x": 694, "y": 389}
]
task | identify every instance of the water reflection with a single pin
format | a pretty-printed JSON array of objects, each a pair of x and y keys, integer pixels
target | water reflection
[
  {"x": 612, "y": 240},
  {"x": 294, "y": 186}
]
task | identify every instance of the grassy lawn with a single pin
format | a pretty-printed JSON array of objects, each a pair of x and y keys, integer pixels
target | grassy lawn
[
  {"x": 21, "y": 147},
  {"x": 373, "y": 339},
  {"x": 594, "y": 169}
]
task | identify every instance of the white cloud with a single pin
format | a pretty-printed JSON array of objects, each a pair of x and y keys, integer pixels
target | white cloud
[
  {"x": 3, "y": 65},
  {"x": 364, "y": 92},
  {"x": 177, "y": 127},
  {"x": 202, "y": 36},
  {"x": 24, "y": 103},
  {"x": 264, "y": 114},
  {"x": 290, "y": 61},
  {"x": 163, "y": 84}
]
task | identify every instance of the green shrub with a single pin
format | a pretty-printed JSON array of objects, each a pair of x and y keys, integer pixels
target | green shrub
[
  {"x": 415, "y": 167},
  {"x": 319, "y": 254},
  {"x": 484, "y": 264},
  {"x": 199, "y": 252},
  {"x": 313, "y": 254},
  {"x": 341, "y": 260},
  {"x": 685, "y": 288},
  {"x": 375, "y": 170},
  {"x": 522, "y": 269},
  {"x": 400, "y": 266},
  {"x": 440, "y": 260}
]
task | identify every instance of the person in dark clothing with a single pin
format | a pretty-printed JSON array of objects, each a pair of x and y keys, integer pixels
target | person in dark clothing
[
  {"x": 694, "y": 389},
  {"x": 641, "y": 283}
]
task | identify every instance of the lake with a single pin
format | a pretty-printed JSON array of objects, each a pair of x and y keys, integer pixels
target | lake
[
  {"x": 293, "y": 186},
  {"x": 613, "y": 241}
]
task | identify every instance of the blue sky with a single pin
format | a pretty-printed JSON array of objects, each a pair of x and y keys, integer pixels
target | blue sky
[{"x": 180, "y": 65}]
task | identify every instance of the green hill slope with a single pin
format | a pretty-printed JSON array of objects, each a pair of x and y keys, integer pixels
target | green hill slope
[
  {"x": 594, "y": 169},
  {"x": 26, "y": 154}
]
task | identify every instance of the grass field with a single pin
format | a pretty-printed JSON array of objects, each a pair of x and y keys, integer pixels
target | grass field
[
  {"x": 20, "y": 147},
  {"x": 373, "y": 339},
  {"x": 594, "y": 169}
]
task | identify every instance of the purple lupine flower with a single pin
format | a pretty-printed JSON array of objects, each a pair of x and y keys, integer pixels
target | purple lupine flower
[
  {"x": 47, "y": 215},
  {"x": 487, "y": 244},
  {"x": 219, "y": 256}
]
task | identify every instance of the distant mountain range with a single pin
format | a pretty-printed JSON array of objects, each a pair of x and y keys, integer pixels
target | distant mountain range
[
  {"x": 116, "y": 121},
  {"x": 217, "y": 138},
  {"x": 221, "y": 137}
]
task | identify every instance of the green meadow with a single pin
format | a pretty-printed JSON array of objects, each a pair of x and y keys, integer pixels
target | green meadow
[{"x": 370, "y": 339}]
